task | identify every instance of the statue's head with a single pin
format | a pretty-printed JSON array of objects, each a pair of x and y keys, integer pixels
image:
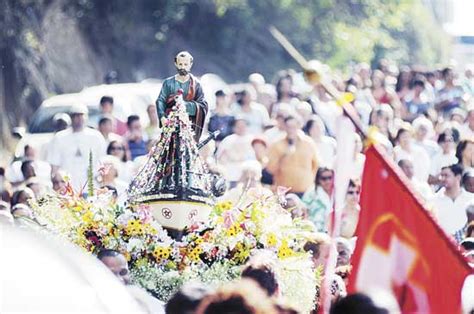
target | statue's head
[{"x": 183, "y": 62}]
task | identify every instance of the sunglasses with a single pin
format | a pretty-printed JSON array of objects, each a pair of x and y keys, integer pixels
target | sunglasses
[
  {"x": 116, "y": 148},
  {"x": 326, "y": 178},
  {"x": 353, "y": 192}
]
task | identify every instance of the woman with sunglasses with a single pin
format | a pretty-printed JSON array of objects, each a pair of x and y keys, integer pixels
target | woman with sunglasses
[
  {"x": 350, "y": 212},
  {"x": 318, "y": 198},
  {"x": 117, "y": 149}
]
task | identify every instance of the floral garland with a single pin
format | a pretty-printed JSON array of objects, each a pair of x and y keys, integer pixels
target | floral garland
[{"x": 213, "y": 253}]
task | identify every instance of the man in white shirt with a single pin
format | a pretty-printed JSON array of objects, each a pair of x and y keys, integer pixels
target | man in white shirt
[
  {"x": 234, "y": 150},
  {"x": 451, "y": 201},
  {"x": 71, "y": 148},
  {"x": 254, "y": 113}
]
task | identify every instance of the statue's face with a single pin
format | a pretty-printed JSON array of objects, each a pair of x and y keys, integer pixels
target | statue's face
[{"x": 183, "y": 63}]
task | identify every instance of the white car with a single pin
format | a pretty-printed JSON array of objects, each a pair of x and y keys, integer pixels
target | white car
[{"x": 129, "y": 98}]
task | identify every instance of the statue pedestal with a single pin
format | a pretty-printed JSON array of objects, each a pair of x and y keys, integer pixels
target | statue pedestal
[{"x": 176, "y": 215}]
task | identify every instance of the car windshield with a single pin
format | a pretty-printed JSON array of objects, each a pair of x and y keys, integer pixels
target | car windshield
[{"x": 42, "y": 121}]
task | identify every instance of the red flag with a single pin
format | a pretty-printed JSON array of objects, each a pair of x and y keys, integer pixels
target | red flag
[{"x": 400, "y": 248}]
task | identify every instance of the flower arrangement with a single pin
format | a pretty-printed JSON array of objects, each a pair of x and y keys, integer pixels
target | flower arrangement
[{"x": 212, "y": 253}]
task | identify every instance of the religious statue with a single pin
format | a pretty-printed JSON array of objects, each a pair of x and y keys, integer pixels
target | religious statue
[
  {"x": 175, "y": 182},
  {"x": 192, "y": 94}
]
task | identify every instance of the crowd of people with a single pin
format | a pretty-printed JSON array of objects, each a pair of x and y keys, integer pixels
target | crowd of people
[{"x": 283, "y": 135}]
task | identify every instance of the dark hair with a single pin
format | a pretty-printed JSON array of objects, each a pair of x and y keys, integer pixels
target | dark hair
[
  {"x": 400, "y": 132},
  {"x": 220, "y": 93},
  {"x": 469, "y": 173},
  {"x": 354, "y": 183},
  {"x": 109, "y": 149},
  {"x": 470, "y": 229},
  {"x": 461, "y": 147},
  {"x": 104, "y": 120},
  {"x": 310, "y": 124},
  {"x": 107, "y": 253},
  {"x": 284, "y": 76},
  {"x": 319, "y": 174},
  {"x": 264, "y": 275},
  {"x": 105, "y": 99},
  {"x": 456, "y": 169},
  {"x": 27, "y": 146},
  {"x": 132, "y": 118},
  {"x": 187, "y": 299},
  {"x": 356, "y": 303},
  {"x": 17, "y": 194},
  {"x": 445, "y": 71},
  {"x": 113, "y": 189},
  {"x": 24, "y": 165},
  {"x": 183, "y": 54}
]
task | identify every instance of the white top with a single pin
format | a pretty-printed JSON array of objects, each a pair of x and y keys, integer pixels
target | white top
[
  {"x": 451, "y": 214},
  {"x": 440, "y": 161},
  {"x": 70, "y": 152},
  {"x": 431, "y": 147},
  {"x": 42, "y": 169},
  {"x": 273, "y": 135},
  {"x": 419, "y": 158},
  {"x": 256, "y": 118},
  {"x": 326, "y": 149},
  {"x": 232, "y": 152},
  {"x": 466, "y": 132}
]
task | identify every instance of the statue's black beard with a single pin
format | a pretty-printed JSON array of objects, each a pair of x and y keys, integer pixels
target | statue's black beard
[{"x": 182, "y": 72}]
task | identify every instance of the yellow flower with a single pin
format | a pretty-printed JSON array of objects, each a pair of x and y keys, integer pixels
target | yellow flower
[
  {"x": 284, "y": 251},
  {"x": 88, "y": 217},
  {"x": 195, "y": 253},
  {"x": 234, "y": 230},
  {"x": 199, "y": 241},
  {"x": 241, "y": 252},
  {"x": 271, "y": 239},
  {"x": 127, "y": 255},
  {"x": 134, "y": 227},
  {"x": 161, "y": 253}
]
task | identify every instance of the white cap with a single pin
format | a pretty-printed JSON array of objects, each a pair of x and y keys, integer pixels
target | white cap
[{"x": 78, "y": 109}]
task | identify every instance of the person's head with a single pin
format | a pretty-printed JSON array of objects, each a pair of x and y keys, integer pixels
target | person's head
[
  {"x": 418, "y": 85},
  {"x": 344, "y": 251},
  {"x": 22, "y": 196},
  {"x": 465, "y": 152},
  {"x": 183, "y": 62},
  {"x": 29, "y": 152},
  {"x": 134, "y": 124},
  {"x": 378, "y": 79},
  {"x": 246, "y": 96},
  {"x": 221, "y": 99},
  {"x": 187, "y": 299},
  {"x": 357, "y": 303},
  {"x": 292, "y": 126},
  {"x": 325, "y": 179},
  {"x": 36, "y": 186},
  {"x": 78, "y": 114},
  {"x": 239, "y": 126},
  {"x": 382, "y": 117},
  {"x": 257, "y": 80},
  {"x": 407, "y": 167},
  {"x": 446, "y": 141},
  {"x": 470, "y": 229},
  {"x": 152, "y": 113},
  {"x": 243, "y": 297},
  {"x": 106, "y": 125},
  {"x": 264, "y": 275},
  {"x": 318, "y": 245},
  {"x": 117, "y": 264},
  {"x": 470, "y": 116},
  {"x": 117, "y": 149},
  {"x": 59, "y": 181},
  {"x": 403, "y": 137},
  {"x": 470, "y": 211},
  {"x": 61, "y": 121},
  {"x": 458, "y": 116},
  {"x": 21, "y": 210},
  {"x": 422, "y": 127},
  {"x": 447, "y": 75},
  {"x": 468, "y": 180},
  {"x": 107, "y": 104},
  {"x": 284, "y": 86},
  {"x": 28, "y": 169},
  {"x": 353, "y": 192},
  {"x": 314, "y": 127},
  {"x": 451, "y": 176}
]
